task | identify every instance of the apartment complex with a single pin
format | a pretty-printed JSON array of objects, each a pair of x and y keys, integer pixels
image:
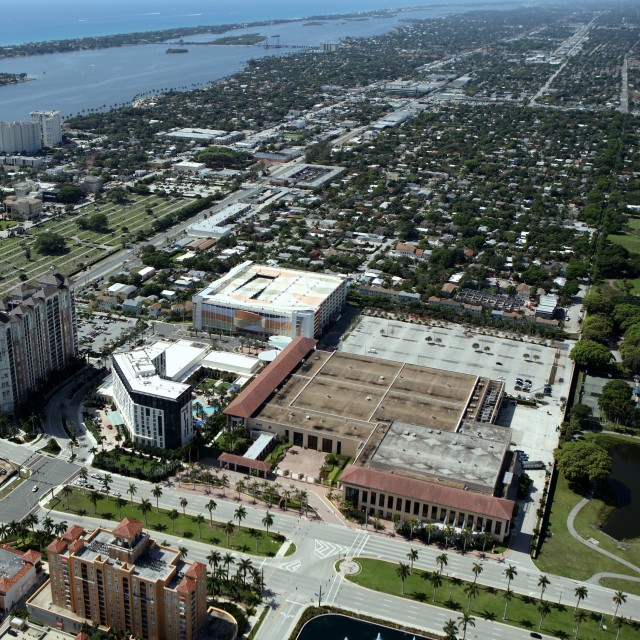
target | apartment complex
[
  {"x": 121, "y": 579},
  {"x": 50, "y": 127},
  {"x": 38, "y": 335},
  {"x": 258, "y": 299},
  {"x": 20, "y": 137},
  {"x": 156, "y": 410}
]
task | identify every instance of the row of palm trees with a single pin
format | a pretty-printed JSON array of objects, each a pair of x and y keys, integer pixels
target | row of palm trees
[
  {"x": 27, "y": 527},
  {"x": 145, "y": 507},
  {"x": 510, "y": 572}
]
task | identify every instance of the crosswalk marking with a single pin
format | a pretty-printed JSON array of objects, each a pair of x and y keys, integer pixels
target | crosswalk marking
[{"x": 325, "y": 549}]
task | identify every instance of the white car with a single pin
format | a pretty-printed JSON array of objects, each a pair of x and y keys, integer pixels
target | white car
[{"x": 35, "y": 488}]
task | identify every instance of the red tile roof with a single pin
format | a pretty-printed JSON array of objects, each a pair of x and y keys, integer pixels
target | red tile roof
[
  {"x": 32, "y": 556},
  {"x": 250, "y": 400},
  {"x": 57, "y": 546},
  {"x": 8, "y": 581},
  {"x": 73, "y": 533},
  {"x": 430, "y": 492},
  {"x": 127, "y": 529},
  {"x": 196, "y": 570},
  {"x": 250, "y": 463},
  {"x": 186, "y": 586},
  {"x": 76, "y": 546}
]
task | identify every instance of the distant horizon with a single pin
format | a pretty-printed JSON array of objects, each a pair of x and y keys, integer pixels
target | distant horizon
[{"x": 72, "y": 19}]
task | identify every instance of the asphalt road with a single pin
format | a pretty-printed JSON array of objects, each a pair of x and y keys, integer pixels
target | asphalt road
[{"x": 46, "y": 474}]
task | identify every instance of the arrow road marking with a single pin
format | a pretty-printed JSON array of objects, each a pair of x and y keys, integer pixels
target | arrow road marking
[
  {"x": 325, "y": 549},
  {"x": 290, "y": 566}
]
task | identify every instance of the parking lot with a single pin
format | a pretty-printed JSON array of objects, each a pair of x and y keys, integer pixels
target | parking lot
[
  {"x": 96, "y": 330},
  {"x": 497, "y": 355}
]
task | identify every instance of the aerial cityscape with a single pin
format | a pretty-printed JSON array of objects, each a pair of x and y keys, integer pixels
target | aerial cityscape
[{"x": 320, "y": 321}]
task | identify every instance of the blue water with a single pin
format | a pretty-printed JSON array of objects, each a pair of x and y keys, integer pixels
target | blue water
[
  {"x": 37, "y": 20},
  {"x": 101, "y": 79},
  {"x": 338, "y": 627}
]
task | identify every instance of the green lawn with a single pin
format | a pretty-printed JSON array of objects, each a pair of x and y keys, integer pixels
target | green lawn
[
  {"x": 158, "y": 520},
  {"x": 7, "y": 224},
  {"x": 618, "y": 584},
  {"x": 633, "y": 223},
  {"x": 635, "y": 286},
  {"x": 629, "y": 242},
  {"x": 379, "y": 575},
  {"x": 562, "y": 554}
]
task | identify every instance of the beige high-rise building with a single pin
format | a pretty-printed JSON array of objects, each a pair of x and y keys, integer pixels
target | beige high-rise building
[
  {"x": 38, "y": 335},
  {"x": 122, "y": 579}
]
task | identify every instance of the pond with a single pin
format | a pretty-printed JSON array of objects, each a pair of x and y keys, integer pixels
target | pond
[
  {"x": 624, "y": 521},
  {"x": 339, "y": 627}
]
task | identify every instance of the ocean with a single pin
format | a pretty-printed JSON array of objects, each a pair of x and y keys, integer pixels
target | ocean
[
  {"x": 105, "y": 78},
  {"x": 40, "y": 20}
]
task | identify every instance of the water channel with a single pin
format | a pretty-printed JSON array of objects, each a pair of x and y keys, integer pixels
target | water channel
[
  {"x": 624, "y": 521},
  {"x": 337, "y": 627}
]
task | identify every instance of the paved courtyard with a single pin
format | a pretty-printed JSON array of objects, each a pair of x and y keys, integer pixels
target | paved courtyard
[{"x": 306, "y": 462}]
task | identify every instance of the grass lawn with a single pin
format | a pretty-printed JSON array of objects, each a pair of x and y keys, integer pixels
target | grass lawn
[
  {"x": 562, "y": 554},
  {"x": 633, "y": 223},
  {"x": 635, "y": 286},
  {"x": 618, "y": 584},
  {"x": 158, "y": 520},
  {"x": 489, "y": 604},
  {"x": 629, "y": 242},
  {"x": 7, "y": 224},
  {"x": 131, "y": 462}
]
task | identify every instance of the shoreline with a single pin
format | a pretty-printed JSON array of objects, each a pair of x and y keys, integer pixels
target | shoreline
[{"x": 65, "y": 45}]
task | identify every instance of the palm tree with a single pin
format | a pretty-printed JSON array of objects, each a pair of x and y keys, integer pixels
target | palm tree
[
  {"x": 619, "y": 598},
  {"x": 442, "y": 560},
  {"x": 240, "y": 514},
  {"x": 61, "y": 528},
  {"x": 224, "y": 483},
  {"x": 228, "y": 528},
  {"x": 94, "y": 497},
  {"x": 173, "y": 515},
  {"x": 200, "y": 520},
  {"x": 132, "y": 490},
  {"x": 184, "y": 552},
  {"x": 183, "y": 503},
  {"x": 255, "y": 533},
  {"x": 213, "y": 559},
  {"x": 402, "y": 571},
  {"x": 156, "y": 492},
  {"x": 430, "y": 529},
  {"x": 240, "y": 488},
  {"x": 543, "y": 583},
  {"x": 449, "y": 532},
  {"x": 472, "y": 591},
  {"x": 228, "y": 561},
  {"x": 508, "y": 596},
  {"x": 412, "y": 556},
  {"x": 450, "y": 630},
  {"x": 47, "y": 525},
  {"x": 211, "y": 506},
  {"x": 581, "y": 593},
  {"x": 107, "y": 480},
  {"x": 145, "y": 507},
  {"x": 477, "y": 570},
  {"x": 66, "y": 492},
  {"x": 618, "y": 623},
  {"x": 466, "y": 620},
  {"x": 243, "y": 566},
  {"x": 267, "y": 521},
  {"x": 84, "y": 474},
  {"x": 120, "y": 502},
  {"x": 434, "y": 578},
  {"x": 579, "y": 617},
  {"x": 486, "y": 538},
  {"x": 543, "y": 609},
  {"x": 510, "y": 572}
]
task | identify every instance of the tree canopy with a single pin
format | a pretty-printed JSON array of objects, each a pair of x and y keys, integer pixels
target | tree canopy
[
  {"x": 69, "y": 194},
  {"x": 583, "y": 461},
  {"x": 588, "y": 353},
  {"x": 616, "y": 401},
  {"x": 49, "y": 243},
  {"x": 94, "y": 222}
]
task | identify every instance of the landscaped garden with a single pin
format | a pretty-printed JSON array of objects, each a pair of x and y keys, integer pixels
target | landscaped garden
[
  {"x": 229, "y": 535},
  {"x": 434, "y": 587}
]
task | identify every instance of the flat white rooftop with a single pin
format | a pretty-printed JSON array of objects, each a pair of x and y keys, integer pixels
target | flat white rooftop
[
  {"x": 140, "y": 372},
  {"x": 253, "y": 286}
]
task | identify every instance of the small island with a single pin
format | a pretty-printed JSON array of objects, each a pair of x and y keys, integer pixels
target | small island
[
  {"x": 13, "y": 78},
  {"x": 176, "y": 50},
  {"x": 243, "y": 40}
]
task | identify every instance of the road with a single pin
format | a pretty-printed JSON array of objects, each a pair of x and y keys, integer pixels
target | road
[{"x": 295, "y": 581}]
